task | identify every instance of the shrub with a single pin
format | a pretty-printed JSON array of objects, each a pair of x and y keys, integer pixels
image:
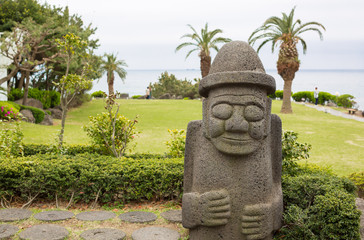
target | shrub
[
  {"x": 319, "y": 206},
  {"x": 11, "y": 138},
  {"x": 293, "y": 151},
  {"x": 358, "y": 179},
  {"x": 90, "y": 177},
  {"x": 168, "y": 83},
  {"x": 326, "y": 97},
  {"x": 176, "y": 145},
  {"x": 37, "y": 113},
  {"x": 111, "y": 131},
  {"x": 49, "y": 99},
  {"x": 9, "y": 111},
  {"x": 303, "y": 96},
  {"x": 98, "y": 94},
  {"x": 136, "y": 96},
  {"x": 15, "y": 94},
  {"x": 345, "y": 100}
]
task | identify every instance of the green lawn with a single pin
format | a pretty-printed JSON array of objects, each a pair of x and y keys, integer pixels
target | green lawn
[{"x": 336, "y": 142}]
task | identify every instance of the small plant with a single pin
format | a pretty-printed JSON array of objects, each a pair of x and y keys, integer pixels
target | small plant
[
  {"x": 293, "y": 151},
  {"x": 176, "y": 145},
  {"x": 8, "y": 111},
  {"x": 11, "y": 138},
  {"x": 110, "y": 130},
  {"x": 358, "y": 179}
]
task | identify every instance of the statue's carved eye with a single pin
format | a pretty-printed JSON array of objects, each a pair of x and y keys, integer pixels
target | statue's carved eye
[
  {"x": 253, "y": 113},
  {"x": 222, "y": 111}
]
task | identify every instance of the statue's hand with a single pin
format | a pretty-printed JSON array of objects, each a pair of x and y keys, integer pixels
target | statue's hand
[
  {"x": 215, "y": 208},
  {"x": 256, "y": 221}
]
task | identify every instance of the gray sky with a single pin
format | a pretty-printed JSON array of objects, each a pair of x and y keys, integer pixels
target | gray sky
[{"x": 145, "y": 33}]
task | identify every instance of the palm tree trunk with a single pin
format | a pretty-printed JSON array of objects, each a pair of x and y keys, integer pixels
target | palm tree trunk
[
  {"x": 287, "y": 89},
  {"x": 205, "y": 63},
  {"x": 110, "y": 82}
]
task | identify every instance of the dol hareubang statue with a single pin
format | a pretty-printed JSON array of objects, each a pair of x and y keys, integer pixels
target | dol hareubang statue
[{"x": 232, "y": 179}]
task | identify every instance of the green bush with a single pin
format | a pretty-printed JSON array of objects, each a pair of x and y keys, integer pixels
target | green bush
[
  {"x": 98, "y": 94},
  {"x": 136, "y": 96},
  {"x": 49, "y": 99},
  {"x": 9, "y": 111},
  {"x": 37, "y": 113},
  {"x": 111, "y": 132},
  {"x": 176, "y": 145},
  {"x": 277, "y": 94},
  {"x": 168, "y": 83},
  {"x": 89, "y": 176},
  {"x": 345, "y": 100},
  {"x": 358, "y": 179},
  {"x": 319, "y": 206},
  {"x": 11, "y": 139},
  {"x": 303, "y": 96},
  {"x": 326, "y": 97}
]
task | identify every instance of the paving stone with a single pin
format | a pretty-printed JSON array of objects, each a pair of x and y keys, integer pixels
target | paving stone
[
  {"x": 7, "y": 231},
  {"x": 14, "y": 214},
  {"x": 103, "y": 234},
  {"x": 138, "y": 217},
  {"x": 360, "y": 206},
  {"x": 53, "y": 215},
  {"x": 173, "y": 215},
  {"x": 44, "y": 232},
  {"x": 155, "y": 233},
  {"x": 95, "y": 216}
]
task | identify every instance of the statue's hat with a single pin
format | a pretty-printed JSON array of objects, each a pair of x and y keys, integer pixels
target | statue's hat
[{"x": 236, "y": 63}]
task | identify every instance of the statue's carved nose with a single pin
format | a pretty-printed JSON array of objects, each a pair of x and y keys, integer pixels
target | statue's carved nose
[{"x": 237, "y": 122}]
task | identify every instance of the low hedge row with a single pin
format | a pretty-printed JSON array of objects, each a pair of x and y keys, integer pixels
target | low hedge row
[{"x": 89, "y": 177}]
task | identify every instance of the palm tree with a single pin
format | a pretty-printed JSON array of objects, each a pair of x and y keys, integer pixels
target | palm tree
[
  {"x": 203, "y": 43},
  {"x": 110, "y": 66},
  {"x": 286, "y": 32}
]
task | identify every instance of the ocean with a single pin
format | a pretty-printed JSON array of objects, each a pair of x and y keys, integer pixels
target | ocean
[{"x": 332, "y": 81}]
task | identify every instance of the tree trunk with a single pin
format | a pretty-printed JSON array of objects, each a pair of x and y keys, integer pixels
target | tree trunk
[
  {"x": 205, "y": 63},
  {"x": 26, "y": 88},
  {"x": 63, "y": 123},
  {"x": 110, "y": 82},
  {"x": 286, "y": 105},
  {"x": 20, "y": 83}
]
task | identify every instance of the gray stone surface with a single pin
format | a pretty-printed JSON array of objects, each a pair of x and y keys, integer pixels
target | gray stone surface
[
  {"x": 48, "y": 120},
  {"x": 155, "y": 233},
  {"x": 173, "y": 215},
  {"x": 360, "y": 206},
  {"x": 27, "y": 115},
  {"x": 56, "y": 113},
  {"x": 232, "y": 176},
  {"x": 44, "y": 232},
  {"x": 138, "y": 217},
  {"x": 31, "y": 102},
  {"x": 103, "y": 234},
  {"x": 95, "y": 216},
  {"x": 7, "y": 231},
  {"x": 14, "y": 214},
  {"x": 53, "y": 215}
]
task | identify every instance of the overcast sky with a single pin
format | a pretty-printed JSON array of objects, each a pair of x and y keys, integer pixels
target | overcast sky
[{"x": 145, "y": 33}]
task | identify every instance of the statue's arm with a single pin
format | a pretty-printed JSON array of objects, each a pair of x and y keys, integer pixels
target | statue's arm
[
  {"x": 200, "y": 209},
  {"x": 276, "y": 146}
]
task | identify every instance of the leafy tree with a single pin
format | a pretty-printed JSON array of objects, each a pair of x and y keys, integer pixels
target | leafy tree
[
  {"x": 71, "y": 83},
  {"x": 26, "y": 46},
  {"x": 111, "y": 65},
  {"x": 203, "y": 43},
  {"x": 285, "y": 32}
]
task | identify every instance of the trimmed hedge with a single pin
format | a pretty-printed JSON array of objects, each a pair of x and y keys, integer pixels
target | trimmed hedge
[
  {"x": 37, "y": 113},
  {"x": 303, "y": 96},
  {"x": 91, "y": 176}
]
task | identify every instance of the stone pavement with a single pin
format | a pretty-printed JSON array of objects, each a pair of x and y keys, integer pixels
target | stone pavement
[{"x": 11, "y": 218}]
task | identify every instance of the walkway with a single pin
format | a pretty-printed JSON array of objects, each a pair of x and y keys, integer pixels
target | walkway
[{"x": 333, "y": 112}]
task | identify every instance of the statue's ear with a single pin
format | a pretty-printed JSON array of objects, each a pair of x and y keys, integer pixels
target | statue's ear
[{"x": 268, "y": 116}]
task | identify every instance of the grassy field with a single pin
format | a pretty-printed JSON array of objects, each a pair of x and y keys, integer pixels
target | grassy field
[{"x": 336, "y": 142}]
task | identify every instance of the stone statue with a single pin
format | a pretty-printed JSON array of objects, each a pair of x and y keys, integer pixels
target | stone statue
[{"x": 233, "y": 159}]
